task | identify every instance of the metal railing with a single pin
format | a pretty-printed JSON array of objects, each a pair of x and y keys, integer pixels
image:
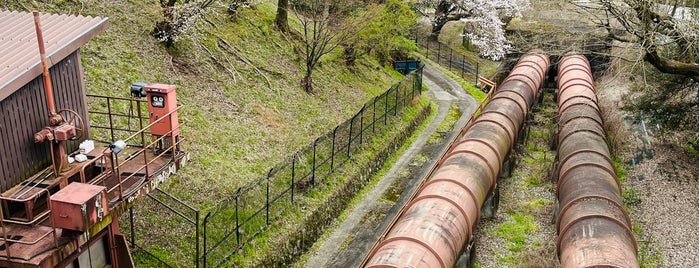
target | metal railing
[
  {"x": 140, "y": 169},
  {"x": 8, "y": 239},
  {"x": 114, "y": 117},
  {"x": 122, "y": 119},
  {"x": 105, "y": 171}
]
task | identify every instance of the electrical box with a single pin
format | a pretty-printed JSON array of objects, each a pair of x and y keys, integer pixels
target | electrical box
[
  {"x": 162, "y": 100},
  {"x": 79, "y": 206}
]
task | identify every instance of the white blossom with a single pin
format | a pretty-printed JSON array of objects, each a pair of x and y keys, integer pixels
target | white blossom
[
  {"x": 483, "y": 19},
  {"x": 486, "y": 29}
]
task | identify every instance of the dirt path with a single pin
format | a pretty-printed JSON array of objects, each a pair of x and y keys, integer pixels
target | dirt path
[{"x": 352, "y": 238}]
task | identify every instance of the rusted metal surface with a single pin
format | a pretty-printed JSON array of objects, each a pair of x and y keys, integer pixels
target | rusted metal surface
[
  {"x": 23, "y": 102},
  {"x": 435, "y": 228},
  {"x": 79, "y": 206},
  {"x": 593, "y": 227},
  {"x": 44, "y": 66},
  {"x": 139, "y": 169},
  {"x": 20, "y": 156}
]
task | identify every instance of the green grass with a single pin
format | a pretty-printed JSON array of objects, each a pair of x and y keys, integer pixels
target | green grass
[
  {"x": 526, "y": 202},
  {"x": 238, "y": 80},
  {"x": 648, "y": 256},
  {"x": 691, "y": 145},
  {"x": 375, "y": 179},
  {"x": 631, "y": 196},
  {"x": 619, "y": 168},
  {"x": 515, "y": 231},
  {"x": 236, "y": 123},
  {"x": 446, "y": 125},
  {"x": 318, "y": 195},
  {"x": 536, "y": 204},
  {"x": 453, "y": 115}
]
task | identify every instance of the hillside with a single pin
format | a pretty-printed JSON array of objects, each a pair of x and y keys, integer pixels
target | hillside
[{"x": 238, "y": 80}]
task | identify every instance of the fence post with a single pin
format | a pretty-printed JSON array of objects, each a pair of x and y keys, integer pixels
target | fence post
[
  {"x": 196, "y": 234},
  {"x": 111, "y": 120},
  {"x": 373, "y": 118},
  {"x": 419, "y": 77},
  {"x": 313, "y": 170},
  {"x": 361, "y": 125},
  {"x": 293, "y": 174},
  {"x": 451, "y": 51},
  {"x": 349, "y": 139},
  {"x": 205, "y": 223},
  {"x": 133, "y": 231},
  {"x": 477, "y": 74},
  {"x": 405, "y": 97},
  {"x": 463, "y": 65},
  {"x": 269, "y": 174},
  {"x": 395, "y": 106},
  {"x": 237, "y": 222},
  {"x": 385, "y": 108},
  {"x": 332, "y": 154},
  {"x": 412, "y": 87}
]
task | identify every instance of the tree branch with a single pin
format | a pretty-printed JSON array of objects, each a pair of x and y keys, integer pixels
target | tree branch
[{"x": 666, "y": 65}]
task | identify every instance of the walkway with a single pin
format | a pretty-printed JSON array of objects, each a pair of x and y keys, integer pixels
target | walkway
[{"x": 352, "y": 238}]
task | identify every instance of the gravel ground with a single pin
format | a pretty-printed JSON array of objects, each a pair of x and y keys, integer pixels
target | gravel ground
[
  {"x": 527, "y": 200},
  {"x": 661, "y": 186}
]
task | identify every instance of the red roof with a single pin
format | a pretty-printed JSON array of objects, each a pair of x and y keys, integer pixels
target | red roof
[{"x": 19, "y": 51}]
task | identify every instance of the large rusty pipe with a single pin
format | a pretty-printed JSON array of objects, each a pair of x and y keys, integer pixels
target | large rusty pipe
[
  {"x": 47, "y": 78},
  {"x": 435, "y": 226},
  {"x": 593, "y": 227}
]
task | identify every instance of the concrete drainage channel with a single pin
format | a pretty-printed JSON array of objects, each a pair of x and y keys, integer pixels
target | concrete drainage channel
[{"x": 360, "y": 229}]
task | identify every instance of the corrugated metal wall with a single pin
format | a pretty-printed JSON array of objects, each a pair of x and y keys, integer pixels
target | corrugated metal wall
[{"x": 25, "y": 112}]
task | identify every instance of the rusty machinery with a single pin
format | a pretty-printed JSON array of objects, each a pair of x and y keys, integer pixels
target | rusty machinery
[
  {"x": 64, "y": 125},
  {"x": 593, "y": 227},
  {"x": 435, "y": 228},
  {"x": 84, "y": 211},
  {"x": 162, "y": 102}
]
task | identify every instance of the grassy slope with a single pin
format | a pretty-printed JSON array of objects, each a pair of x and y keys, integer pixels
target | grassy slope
[{"x": 237, "y": 124}]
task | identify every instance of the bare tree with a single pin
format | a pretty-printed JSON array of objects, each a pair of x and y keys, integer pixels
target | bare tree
[
  {"x": 281, "y": 20},
  {"x": 323, "y": 30},
  {"x": 669, "y": 41}
]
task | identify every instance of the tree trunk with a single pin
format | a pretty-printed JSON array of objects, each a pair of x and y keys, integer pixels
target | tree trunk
[
  {"x": 436, "y": 30},
  {"x": 441, "y": 17},
  {"x": 350, "y": 54},
  {"x": 307, "y": 81},
  {"x": 281, "y": 19}
]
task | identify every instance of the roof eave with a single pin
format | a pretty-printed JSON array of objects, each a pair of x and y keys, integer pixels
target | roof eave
[{"x": 54, "y": 57}]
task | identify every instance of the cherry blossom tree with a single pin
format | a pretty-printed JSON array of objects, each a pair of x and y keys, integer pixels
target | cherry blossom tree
[{"x": 486, "y": 18}]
